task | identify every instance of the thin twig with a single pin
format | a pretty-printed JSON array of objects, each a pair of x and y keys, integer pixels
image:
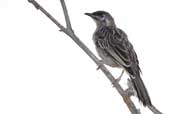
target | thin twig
[
  {"x": 68, "y": 30},
  {"x": 67, "y": 20},
  {"x": 37, "y": 6}
]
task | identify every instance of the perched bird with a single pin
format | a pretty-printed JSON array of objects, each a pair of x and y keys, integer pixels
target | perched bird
[{"x": 114, "y": 48}]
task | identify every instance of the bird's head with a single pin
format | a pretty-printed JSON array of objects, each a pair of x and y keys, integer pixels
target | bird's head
[{"x": 102, "y": 18}]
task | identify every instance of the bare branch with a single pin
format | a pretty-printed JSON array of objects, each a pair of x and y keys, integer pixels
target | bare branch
[
  {"x": 68, "y": 30},
  {"x": 67, "y": 20},
  {"x": 37, "y": 6}
]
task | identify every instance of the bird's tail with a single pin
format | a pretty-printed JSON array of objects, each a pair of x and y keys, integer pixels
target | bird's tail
[{"x": 141, "y": 90}]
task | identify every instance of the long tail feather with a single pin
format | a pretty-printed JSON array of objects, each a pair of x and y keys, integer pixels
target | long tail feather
[{"x": 141, "y": 90}]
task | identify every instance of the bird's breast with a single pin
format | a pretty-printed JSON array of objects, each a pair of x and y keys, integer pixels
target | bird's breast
[{"x": 106, "y": 58}]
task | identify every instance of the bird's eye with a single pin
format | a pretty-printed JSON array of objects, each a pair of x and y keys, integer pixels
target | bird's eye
[{"x": 103, "y": 17}]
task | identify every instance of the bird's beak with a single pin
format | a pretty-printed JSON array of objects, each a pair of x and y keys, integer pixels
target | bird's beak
[{"x": 91, "y": 15}]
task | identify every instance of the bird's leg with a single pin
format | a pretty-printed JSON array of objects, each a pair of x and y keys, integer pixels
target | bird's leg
[
  {"x": 119, "y": 78},
  {"x": 100, "y": 64}
]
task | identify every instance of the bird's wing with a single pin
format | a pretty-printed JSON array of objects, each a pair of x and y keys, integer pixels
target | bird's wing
[{"x": 115, "y": 42}]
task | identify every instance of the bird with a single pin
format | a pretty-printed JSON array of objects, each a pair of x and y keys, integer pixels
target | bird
[{"x": 115, "y": 50}]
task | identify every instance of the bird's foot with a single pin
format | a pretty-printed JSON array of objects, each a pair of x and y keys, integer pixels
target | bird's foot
[
  {"x": 119, "y": 78},
  {"x": 100, "y": 64},
  {"x": 130, "y": 90},
  {"x": 60, "y": 30}
]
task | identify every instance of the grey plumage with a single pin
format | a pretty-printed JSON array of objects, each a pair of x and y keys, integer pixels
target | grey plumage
[{"x": 115, "y": 50}]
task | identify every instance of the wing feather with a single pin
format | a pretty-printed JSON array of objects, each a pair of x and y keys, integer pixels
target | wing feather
[{"x": 115, "y": 42}]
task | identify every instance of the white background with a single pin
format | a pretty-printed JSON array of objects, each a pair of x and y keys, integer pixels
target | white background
[{"x": 42, "y": 71}]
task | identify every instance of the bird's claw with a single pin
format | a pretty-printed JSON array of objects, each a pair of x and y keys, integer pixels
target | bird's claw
[
  {"x": 117, "y": 80},
  {"x": 100, "y": 64}
]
